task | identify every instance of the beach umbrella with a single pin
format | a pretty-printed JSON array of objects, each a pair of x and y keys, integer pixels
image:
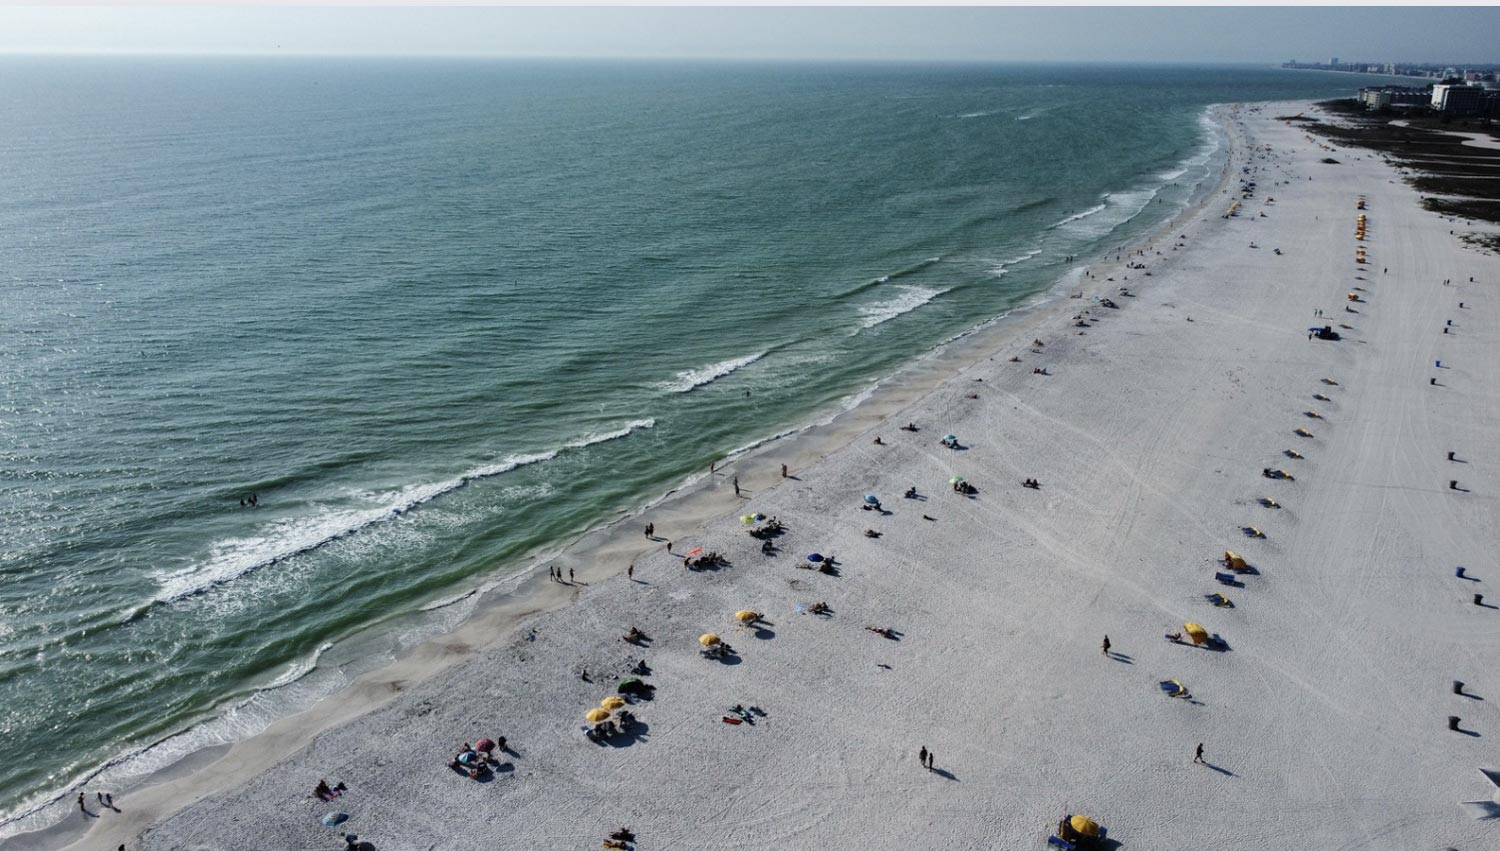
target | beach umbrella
[
  {"x": 814, "y": 557},
  {"x": 871, "y": 500},
  {"x": 612, "y": 702},
  {"x": 596, "y": 715},
  {"x": 335, "y": 819},
  {"x": 950, "y": 437},
  {"x": 708, "y": 639},
  {"x": 746, "y": 616},
  {"x": 484, "y": 745},
  {"x": 747, "y": 518},
  {"x": 955, "y": 480},
  {"x": 1085, "y": 825}
]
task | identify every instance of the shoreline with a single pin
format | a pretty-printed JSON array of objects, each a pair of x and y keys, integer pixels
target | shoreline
[
  {"x": 1146, "y": 433},
  {"x": 506, "y": 603}
]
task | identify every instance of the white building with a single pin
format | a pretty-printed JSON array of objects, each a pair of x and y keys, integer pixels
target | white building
[{"x": 1456, "y": 97}]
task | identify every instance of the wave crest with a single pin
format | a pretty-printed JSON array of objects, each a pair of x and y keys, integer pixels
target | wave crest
[
  {"x": 690, "y": 379},
  {"x": 233, "y": 558}
]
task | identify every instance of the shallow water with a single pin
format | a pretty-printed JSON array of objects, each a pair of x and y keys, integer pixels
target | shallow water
[{"x": 437, "y": 315}]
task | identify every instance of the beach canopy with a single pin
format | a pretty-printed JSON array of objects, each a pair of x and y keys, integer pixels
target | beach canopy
[
  {"x": 746, "y": 616},
  {"x": 871, "y": 500},
  {"x": 1196, "y": 632},
  {"x": 612, "y": 702},
  {"x": 708, "y": 639},
  {"x": 596, "y": 715},
  {"x": 335, "y": 819},
  {"x": 1085, "y": 825}
]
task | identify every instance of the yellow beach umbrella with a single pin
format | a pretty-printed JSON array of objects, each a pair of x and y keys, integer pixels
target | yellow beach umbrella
[
  {"x": 746, "y": 616},
  {"x": 708, "y": 639},
  {"x": 1085, "y": 825},
  {"x": 611, "y": 703},
  {"x": 596, "y": 715}
]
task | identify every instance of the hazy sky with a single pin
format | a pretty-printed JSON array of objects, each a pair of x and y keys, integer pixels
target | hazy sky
[{"x": 1171, "y": 34}]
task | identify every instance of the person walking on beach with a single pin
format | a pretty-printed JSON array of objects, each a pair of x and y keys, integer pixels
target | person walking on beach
[
  {"x": 669, "y": 546},
  {"x": 922, "y": 756},
  {"x": 736, "y": 485},
  {"x": 630, "y": 573},
  {"x": 931, "y": 758},
  {"x": 81, "y": 808},
  {"x": 1198, "y": 757},
  {"x": 783, "y": 471},
  {"x": 570, "y": 575},
  {"x": 650, "y": 530},
  {"x": 1105, "y": 646}
]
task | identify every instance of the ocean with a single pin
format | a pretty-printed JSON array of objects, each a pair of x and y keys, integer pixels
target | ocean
[{"x": 438, "y": 316}]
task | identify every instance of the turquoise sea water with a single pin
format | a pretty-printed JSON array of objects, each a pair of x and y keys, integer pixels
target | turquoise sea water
[{"x": 437, "y": 315}]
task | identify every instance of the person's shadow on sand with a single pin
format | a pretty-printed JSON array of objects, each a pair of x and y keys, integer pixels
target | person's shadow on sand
[{"x": 945, "y": 774}]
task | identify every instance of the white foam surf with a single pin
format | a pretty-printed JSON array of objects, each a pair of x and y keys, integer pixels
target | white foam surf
[
  {"x": 231, "y": 558},
  {"x": 690, "y": 379},
  {"x": 881, "y": 312}
]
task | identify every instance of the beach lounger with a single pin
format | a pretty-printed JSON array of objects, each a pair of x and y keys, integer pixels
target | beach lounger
[
  {"x": 1060, "y": 843},
  {"x": 1226, "y": 579}
]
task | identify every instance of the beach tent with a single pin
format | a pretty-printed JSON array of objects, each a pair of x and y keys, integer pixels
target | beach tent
[
  {"x": 1269, "y": 502},
  {"x": 1234, "y": 560},
  {"x": 1252, "y": 532},
  {"x": 1196, "y": 632},
  {"x": 1173, "y": 688},
  {"x": 1218, "y": 600},
  {"x": 1302, "y": 432},
  {"x": 612, "y": 702},
  {"x": 595, "y": 715},
  {"x": 746, "y": 616},
  {"x": 1329, "y": 381},
  {"x": 708, "y": 639}
]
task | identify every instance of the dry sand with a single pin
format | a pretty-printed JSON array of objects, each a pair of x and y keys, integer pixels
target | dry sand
[{"x": 1324, "y": 723}]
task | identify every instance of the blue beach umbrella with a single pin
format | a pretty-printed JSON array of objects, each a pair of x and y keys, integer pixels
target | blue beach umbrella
[
  {"x": 871, "y": 500},
  {"x": 950, "y": 437},
  {"x": 814, "y": 557}
]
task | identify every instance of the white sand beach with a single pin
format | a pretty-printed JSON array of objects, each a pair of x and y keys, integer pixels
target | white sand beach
[{"x": 1324, "y": 718}]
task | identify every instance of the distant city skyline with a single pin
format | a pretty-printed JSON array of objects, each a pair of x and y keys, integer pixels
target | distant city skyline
[{"x": 1449, "y": 35}]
